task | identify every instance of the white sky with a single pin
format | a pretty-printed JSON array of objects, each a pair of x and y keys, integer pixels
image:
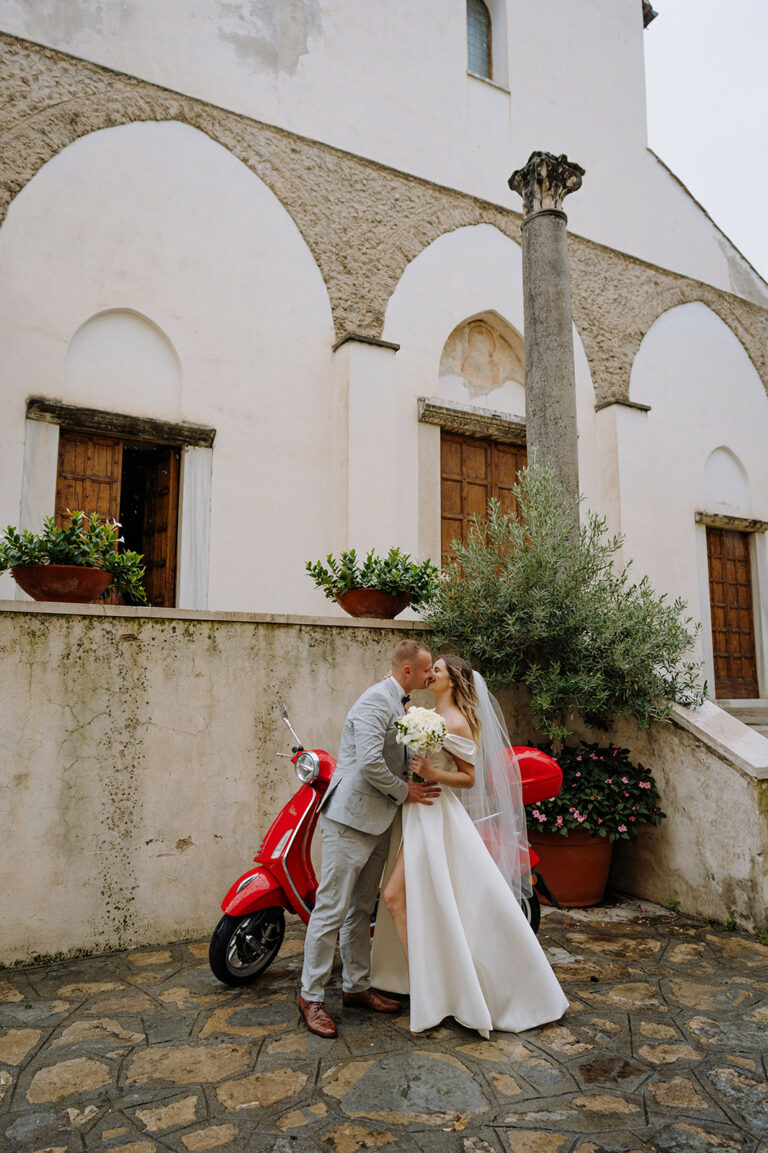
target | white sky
[{"x": 706, "y": 64}]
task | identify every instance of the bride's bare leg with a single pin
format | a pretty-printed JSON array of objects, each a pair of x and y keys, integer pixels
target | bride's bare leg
[{"x": 393, "y": 897}]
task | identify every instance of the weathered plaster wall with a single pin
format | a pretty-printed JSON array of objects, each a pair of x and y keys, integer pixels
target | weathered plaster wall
[
  {"x": 345, "y": 204},
  {"x": 427, "y": 304},
  {"x": 705, "y": 398},
  {"x": 711, "y": 853},
  {"x": 283, "y": 244},
  {"x": 138, "y": 766},
  {"x": 389, "y": 81},
  {"x": 111, "y": 297},
  {"x": 138, "y": 771}
]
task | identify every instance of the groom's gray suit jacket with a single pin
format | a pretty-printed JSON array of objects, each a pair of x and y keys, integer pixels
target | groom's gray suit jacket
[{"x": 370, "y": 780}]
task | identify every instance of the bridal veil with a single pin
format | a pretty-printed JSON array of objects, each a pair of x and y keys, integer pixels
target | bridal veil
[{"x": 495, "y": 802}]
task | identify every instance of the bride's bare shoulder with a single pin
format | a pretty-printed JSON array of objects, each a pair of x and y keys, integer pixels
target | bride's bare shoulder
[{"x": 457, "y": 723}]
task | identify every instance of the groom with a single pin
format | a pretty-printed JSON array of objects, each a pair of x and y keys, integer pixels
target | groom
[{"x": 369, "y": 783}]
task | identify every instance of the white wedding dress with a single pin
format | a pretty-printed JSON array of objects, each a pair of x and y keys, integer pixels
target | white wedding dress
[{"x": 473, "y": 955}]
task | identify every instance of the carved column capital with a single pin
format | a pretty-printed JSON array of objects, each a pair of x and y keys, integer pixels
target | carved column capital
[
  {"x": 649, "y": 13},
  {"x": 545, "y": 181}
]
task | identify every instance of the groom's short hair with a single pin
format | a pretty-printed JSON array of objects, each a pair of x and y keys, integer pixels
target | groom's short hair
[{"x": 407, "y": 652}]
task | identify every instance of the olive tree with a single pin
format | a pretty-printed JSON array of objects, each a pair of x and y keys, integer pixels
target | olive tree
[{"x": 531, "y": 600}]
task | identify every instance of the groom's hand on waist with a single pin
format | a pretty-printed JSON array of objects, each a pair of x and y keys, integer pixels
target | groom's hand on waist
[{"x": 422, "y": 792}]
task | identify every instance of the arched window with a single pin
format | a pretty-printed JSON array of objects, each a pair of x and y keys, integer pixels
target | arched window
[{"x": 478, "y": 39}]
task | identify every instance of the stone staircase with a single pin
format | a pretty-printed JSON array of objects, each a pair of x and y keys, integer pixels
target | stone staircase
[{"x": 751, "y": 712}]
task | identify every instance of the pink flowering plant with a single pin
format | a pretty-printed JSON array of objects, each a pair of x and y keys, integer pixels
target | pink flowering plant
[{"x": 603, "y": 793}]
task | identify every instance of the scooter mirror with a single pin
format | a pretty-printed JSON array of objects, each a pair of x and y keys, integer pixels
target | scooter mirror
[{"x": 291, "y": 728}]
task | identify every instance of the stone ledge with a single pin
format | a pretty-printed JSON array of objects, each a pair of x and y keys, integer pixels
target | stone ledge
[
  {"x": 730, "y": 738},
  {"x": 119, "y": 424},
  {"x": 469, "y": 420},
  {"x": 359, "y": 338},
  {"x": 490, "y": 82},
  {"x": 734, "y": 523},
  {"x": 58, "y": 608},
  {"x": 623, "y": 404}
]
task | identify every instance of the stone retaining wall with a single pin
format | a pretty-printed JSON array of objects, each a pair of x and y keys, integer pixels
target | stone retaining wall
[
  {"x": 138, "y": 760},
  {"x": 710, "y": 856},
  {"x": 139, "y": 772}
]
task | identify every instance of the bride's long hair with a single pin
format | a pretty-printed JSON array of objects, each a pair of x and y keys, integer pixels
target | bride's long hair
[{"x": 464, "y": 692}]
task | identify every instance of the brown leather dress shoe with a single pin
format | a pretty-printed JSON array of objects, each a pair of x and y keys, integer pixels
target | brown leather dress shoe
[
  {"x": 371, "y": 999},
  {"x": 316, "y": 1018}
]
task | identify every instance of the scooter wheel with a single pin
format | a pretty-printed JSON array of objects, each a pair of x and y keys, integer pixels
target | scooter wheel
[
  {"x": 532, "y": 909},
  {"x": 243, "y": 947}
]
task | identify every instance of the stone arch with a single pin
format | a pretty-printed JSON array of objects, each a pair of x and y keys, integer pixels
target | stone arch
[
  {"x": 430, "y": 303},
  {"x": 341, "y": 212},
  {"x": 343, "y": 204},
  {"x": 689, "y": 292},
  {"x": 426, "y": 230},
  {"x": 719, "y": 317},
  {"x": 617, "y": 299}
]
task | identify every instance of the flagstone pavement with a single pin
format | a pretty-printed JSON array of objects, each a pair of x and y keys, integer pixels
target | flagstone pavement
[{"x": 664, "y": 1048}]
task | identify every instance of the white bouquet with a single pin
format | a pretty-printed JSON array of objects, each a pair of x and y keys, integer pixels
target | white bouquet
[{"x": 421, "y": 730}]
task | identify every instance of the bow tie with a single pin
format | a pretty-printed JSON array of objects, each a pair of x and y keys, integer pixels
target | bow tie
[{"x": 405, "y": 700}]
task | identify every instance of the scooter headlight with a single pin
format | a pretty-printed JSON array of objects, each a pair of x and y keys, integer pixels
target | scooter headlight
[{"x": 307, "y": 767}]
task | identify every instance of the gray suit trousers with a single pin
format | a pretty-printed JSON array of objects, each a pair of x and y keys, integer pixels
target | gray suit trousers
[{"x": 353, "y": 862}]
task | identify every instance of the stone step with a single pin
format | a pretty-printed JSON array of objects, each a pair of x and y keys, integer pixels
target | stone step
[{"x": 750, "y": 712}]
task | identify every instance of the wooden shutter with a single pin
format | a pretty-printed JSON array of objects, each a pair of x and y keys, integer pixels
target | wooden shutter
[
  {"x": 730, "y": 595},
  {"x": 472, "y": 471},
  {"x": 89, "y": 475},
  {"x": 161, "y": 508}
]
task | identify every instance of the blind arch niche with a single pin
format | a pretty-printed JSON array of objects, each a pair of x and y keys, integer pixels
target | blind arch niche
[{"x": 483, "y": 362}]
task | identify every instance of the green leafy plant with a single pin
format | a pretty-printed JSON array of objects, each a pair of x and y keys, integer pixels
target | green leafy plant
[
  {"x": 394, "y": 573},
  {"x": 530, "y": 599},
  {"x": 87, "y": 541},
  {"x": 603, "y": 793}
]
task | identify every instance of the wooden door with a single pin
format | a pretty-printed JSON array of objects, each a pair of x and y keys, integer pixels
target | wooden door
[
  {"x": 91, "y": 478},
  {"x": 506, "y": 462},
  {"x": 161, "y": 505},
  {"x": 733, "y": 631},
  {"x": 472, "y": 470},
  {"x": 465, "y": 485},
  {"x": 89, "y": 475}
]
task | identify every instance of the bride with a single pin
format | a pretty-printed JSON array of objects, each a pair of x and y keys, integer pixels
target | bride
[{"x": 460, "y": 943}]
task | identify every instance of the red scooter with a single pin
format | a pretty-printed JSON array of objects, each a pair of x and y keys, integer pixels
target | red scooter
[{"x": 249, "y": 935}]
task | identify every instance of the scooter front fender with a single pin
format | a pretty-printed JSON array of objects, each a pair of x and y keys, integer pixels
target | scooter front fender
[{"x": 256, "y": 889}]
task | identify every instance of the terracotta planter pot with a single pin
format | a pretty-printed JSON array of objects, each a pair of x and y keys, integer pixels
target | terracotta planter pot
[
  {"x": 575, "y": 867},
  {"x": 62, "y": 582},
  {"x": 373, "y": 603}
]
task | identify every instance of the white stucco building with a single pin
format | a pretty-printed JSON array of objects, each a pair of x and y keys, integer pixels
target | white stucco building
[{"x": 261, "y": 294}]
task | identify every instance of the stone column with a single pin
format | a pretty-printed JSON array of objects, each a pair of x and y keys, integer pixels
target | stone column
[{"x": 550, "y": 387}]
